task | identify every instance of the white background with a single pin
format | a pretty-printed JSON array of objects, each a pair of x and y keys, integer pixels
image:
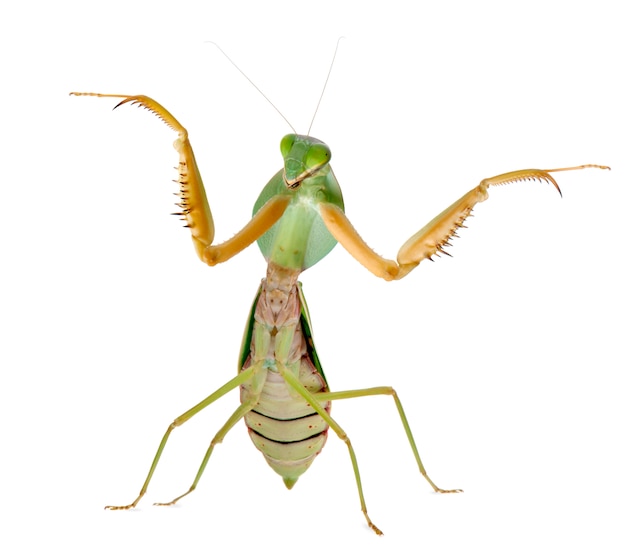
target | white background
[{"x": 509, "y": 357}]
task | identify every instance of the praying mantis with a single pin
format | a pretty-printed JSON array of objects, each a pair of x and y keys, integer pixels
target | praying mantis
[{"x": 297, "y": 219}]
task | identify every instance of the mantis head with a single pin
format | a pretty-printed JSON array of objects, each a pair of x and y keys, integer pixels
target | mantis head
[{"x": 304, "y": 156}]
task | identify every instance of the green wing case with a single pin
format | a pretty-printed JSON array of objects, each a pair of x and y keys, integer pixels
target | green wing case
[{"x": 307, "y": 329}]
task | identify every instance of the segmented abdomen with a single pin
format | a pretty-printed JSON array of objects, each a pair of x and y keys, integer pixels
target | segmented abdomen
[
  {"x": 285, "y": 428},
  {"x": 282, "y": 425}
]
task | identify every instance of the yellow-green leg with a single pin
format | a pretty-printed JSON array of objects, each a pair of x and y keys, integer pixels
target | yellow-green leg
[
  {"x": 387, "y": 391},
  {"x": 314, "y": 402},
  {"x": 218, "y": 438},
  {"x": 230, "y": 385}
]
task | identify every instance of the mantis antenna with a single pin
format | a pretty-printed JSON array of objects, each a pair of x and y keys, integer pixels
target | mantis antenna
[
  {"x": 265, "y": 96},
  {"x": 325, "y": 83},
  {"x": 252, "y": 83}
]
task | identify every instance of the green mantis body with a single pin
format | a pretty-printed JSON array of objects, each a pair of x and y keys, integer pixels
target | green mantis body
[{"x": 297, "y": 220}]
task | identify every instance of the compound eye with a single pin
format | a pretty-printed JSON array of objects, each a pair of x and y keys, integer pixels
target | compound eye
[
  {"x": 286, "y": 144},
  {"x": 317, "y": 156}
]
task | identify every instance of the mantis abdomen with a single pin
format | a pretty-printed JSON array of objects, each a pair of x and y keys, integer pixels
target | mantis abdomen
[{"x": 282, "y": 424}]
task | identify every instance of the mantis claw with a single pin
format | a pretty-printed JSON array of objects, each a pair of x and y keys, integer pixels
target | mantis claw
[{"x": 435, "y": 236}]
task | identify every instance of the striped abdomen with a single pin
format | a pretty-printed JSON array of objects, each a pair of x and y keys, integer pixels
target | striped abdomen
[{"x": 282, "y": 425}]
